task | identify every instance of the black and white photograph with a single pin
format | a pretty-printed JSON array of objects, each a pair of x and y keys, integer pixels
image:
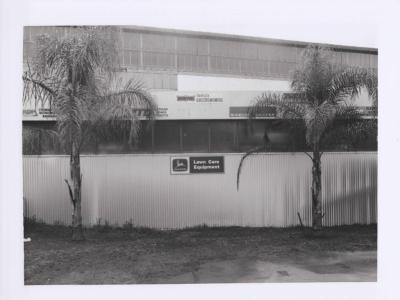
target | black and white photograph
[
  {"x": 193, "y": 157},
  {"x": 188, "y": 154}
]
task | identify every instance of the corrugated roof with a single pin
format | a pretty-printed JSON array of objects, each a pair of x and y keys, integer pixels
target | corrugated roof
[{"x": 290, "y": 43}]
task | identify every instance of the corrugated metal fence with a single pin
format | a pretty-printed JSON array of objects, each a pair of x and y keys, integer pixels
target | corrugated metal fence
[{"x": 141, "y": 190}]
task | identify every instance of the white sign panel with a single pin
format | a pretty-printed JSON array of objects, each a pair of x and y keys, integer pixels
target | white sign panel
[{"x": 181, "y": 105}]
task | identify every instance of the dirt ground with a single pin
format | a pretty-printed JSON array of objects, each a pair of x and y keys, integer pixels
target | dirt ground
[{"x": 199, "y": 255}]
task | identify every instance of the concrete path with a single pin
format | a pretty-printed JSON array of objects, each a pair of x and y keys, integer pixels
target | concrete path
[{"x": 343, "y": 266}]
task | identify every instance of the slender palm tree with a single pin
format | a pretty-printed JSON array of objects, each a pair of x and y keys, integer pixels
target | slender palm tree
[
  {"x": 75, "y": 75},
  {"x": 320, "y": 95}
]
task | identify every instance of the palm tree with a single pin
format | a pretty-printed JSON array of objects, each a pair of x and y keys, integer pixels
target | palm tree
[
  {"x": 320, "y": 96},
  {"x": 75, "y": 75}
]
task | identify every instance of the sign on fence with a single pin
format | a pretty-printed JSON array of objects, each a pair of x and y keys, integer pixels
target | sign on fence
[{"x": 197, "y": 164}]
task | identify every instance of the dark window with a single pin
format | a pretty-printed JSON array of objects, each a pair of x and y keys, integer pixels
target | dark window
[
  {"x": 275, "y": 135},
  {"x": 195, "y": 136},
  {"x": 50, "y": 144},
  {"x": 223, "y": 136},
  {"x": 39, "y": 138},
  {"x": 284, "y": 136},
  {"x": 30, "y": 141},
  {"x": 167, "y": 136},
  {"x": 116, "y": 140},
  {"x": 353, "y": 136},
  {"x": 250, "y": 135},
  {"x": 109, "y": 139},
  {"x": 145, "y": 141}
]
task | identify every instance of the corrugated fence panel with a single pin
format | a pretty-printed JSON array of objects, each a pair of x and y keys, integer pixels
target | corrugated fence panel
[
  {"x": 349, "y": 188},
  {"x": 141, "y": 190}
]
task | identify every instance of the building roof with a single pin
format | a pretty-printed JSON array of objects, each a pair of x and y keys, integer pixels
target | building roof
[{"x": 242, "y": 38}]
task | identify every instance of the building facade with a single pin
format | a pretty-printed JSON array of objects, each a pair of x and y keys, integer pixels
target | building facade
[{"x": 204, "y": 84}]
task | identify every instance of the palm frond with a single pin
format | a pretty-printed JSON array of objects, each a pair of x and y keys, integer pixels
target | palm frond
[
  {"x": 77, "y": 58},
  {"x": 133, "y": 95},
  {"x": 313, "y": 74},
  {"x": 348, "y": 112},
  {"x": 348, "y": 83},
  {"x": 285, "y": 105},
  {"x": 348, "y": 129},
  {"x": 33, "y": 137},
  {"x": 247, "y": 154},
  {"x": 68, "y": 76},
  {"x": 37, "y": 89},
  {"x": 125, "y": 107},
  {"x": 317, "y": 119},
  {"x": 71, "y": 112}
]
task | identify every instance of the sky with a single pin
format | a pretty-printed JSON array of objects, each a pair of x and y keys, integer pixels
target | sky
[{"x": 343, "y": 22}]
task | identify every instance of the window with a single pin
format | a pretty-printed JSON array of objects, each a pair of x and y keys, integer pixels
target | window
[
  {"x": 250, "y": 135},
  {"x": 276, "y": 135},
  {"x": 30, "y": 141},
  {"x": 145, "y": 141},
  {"x": 167, "y": 136},
  {"x": 204, "y": 136},
  {"x": 38, "y": 138},
  {"x": 223, "y": 136},
  {"x": 195, "y": 136}
]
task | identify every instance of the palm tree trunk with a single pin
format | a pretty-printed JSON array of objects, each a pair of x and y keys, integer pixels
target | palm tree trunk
[
  {"x": 316, "y": 190},
  {"x": 76, "y": 177}
]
